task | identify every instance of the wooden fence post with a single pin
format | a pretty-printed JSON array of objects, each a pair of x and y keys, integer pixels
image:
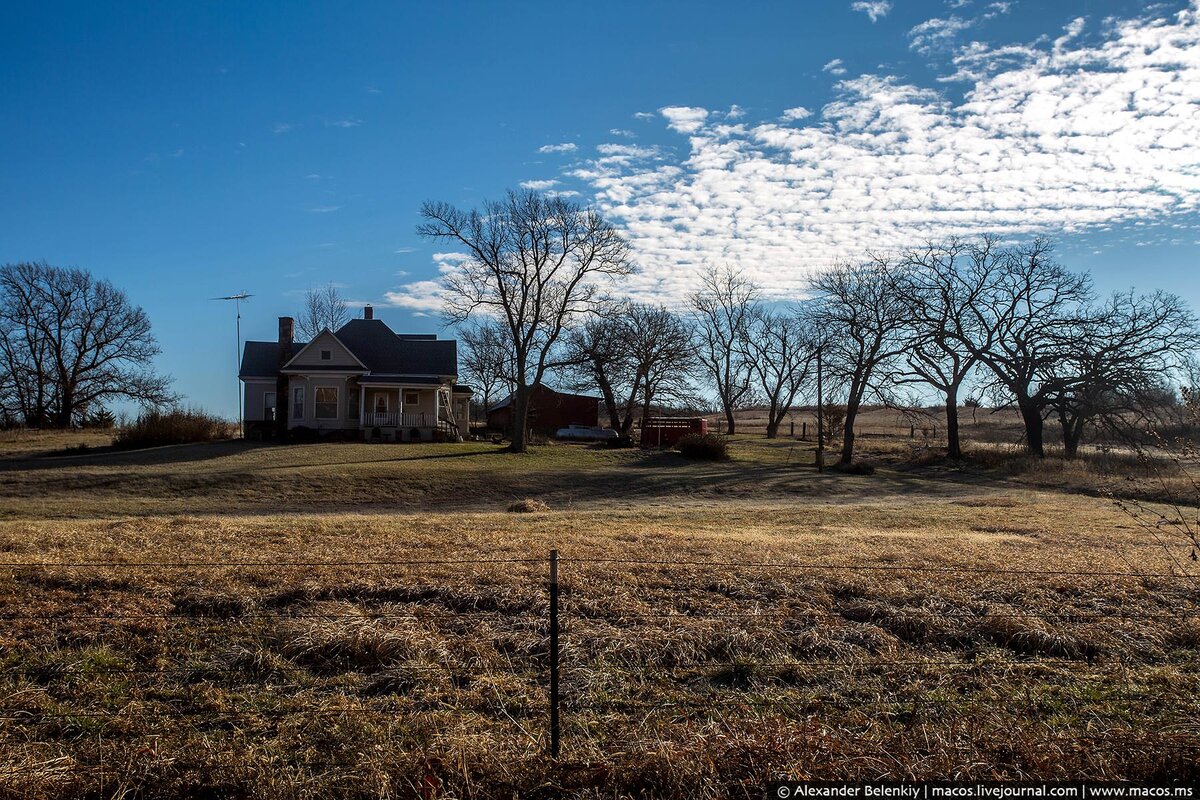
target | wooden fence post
[{"x": 554, "y": 729}]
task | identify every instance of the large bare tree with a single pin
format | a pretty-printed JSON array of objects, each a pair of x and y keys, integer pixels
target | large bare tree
[
  {"x": 636, "y": 354},
  {"x": 1121, "y": 357},
  {"x": 722, "y": 309},
  {"x": 861, "y": 323},
  {"x": 780, "y": 348},
  {"x": 597, "y": 355},
  {"x": 1019, "y": 311},
  {"x": 660, "y": 349},
  {"x": 324, "y": 309},
  {"x": 937, "y": 300},
  {"x": 70, "y": 343},
  {"x": 538, "y": 265}
]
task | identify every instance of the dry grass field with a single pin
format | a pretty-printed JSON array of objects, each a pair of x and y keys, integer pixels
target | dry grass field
[{"x": 352, "y": 620}]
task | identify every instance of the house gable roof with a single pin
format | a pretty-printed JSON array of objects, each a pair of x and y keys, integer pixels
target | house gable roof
[
  {"x": 372, "y": 344},
  {"x": 327, "y": 338}
]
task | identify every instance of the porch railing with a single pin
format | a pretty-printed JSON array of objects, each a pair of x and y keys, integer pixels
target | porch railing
[{"x": 416, "y": 419}]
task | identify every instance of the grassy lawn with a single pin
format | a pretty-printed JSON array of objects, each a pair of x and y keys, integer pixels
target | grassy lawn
[{"x": 365, "y": 620}]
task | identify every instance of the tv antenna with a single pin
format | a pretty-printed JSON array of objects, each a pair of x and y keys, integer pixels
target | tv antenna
[{"x": 237, "y": 301}]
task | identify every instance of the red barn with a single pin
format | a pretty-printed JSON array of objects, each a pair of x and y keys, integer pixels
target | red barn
[{"x": 548, "y": 411}]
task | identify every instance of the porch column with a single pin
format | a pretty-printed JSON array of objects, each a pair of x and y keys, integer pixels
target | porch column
[{"x": 362, "y": 405}]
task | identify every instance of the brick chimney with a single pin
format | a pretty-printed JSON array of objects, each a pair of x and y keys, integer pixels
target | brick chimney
[
  {"x": 287, "y": 326},
  {"x": 368, "y": 312}
]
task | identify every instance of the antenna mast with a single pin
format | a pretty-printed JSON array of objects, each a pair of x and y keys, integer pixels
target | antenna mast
[{"x": 237, "y": 302}]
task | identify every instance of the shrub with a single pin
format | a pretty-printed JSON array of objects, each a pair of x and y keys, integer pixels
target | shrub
[
  {"x": 703, "y": 447},
  {"x": 178, "y": 426}
]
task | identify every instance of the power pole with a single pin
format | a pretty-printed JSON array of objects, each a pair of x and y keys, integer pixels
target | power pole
[{"x": 820, "y": 415}]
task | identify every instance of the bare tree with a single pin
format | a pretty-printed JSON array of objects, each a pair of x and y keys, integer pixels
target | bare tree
[
  {"x": 538, "y": 265},
  {"x": 70, "y": 342},
  {"x": 861, "y": 321},
  {"x": 597, "y": 355},
  {"x": 936, "y": 301},
  {"x": 486, "y": 361},
  {"x": 722, "y": 309},
  {"x": 1120, "y": 358},
  {"x": 324, "y": 309},
  {"x": 780, "y": 349},
  {"x": 659, "y": 345},
  {"x": 1019, "y": 309}
]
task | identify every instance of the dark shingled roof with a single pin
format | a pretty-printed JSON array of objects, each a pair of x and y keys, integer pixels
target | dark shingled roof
[
  {"x": 383, "y": 351},
  {"x": 261, "y": 359},
  {"x": 374, "y": 344}
]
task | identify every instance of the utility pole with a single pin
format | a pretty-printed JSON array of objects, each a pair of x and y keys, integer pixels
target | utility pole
[{"x": 820, "y": 414}]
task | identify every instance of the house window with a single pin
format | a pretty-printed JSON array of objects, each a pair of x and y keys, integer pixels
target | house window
[
  {"x": 269, "y": 406},
  {"x": 326, "y": 402},
  {"x": 381, "y": 403},
  {"x": 412, "y": 397},
  {"x": 326, "y": 355},
  {"x": 298, "y": 403}
]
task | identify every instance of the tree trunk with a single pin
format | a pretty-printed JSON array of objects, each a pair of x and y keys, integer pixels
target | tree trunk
[
  {"x": 729, "y": 420},
  {"x": 520, "y": 420},
  {"x": 1031, "y": 415},
  {"x": 847, "y": 457},
  {"x": 1072, "y": 430},
  {"x": 953, "y": 443},
  {"x": 610, "y": 400},
  {"x": 773, "y": 420}
]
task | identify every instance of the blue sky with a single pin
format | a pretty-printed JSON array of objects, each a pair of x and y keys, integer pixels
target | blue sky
[{"x": 192, "y": 150}]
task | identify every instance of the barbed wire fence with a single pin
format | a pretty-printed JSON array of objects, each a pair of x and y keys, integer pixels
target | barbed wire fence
[{"x": 680, "y": 685}]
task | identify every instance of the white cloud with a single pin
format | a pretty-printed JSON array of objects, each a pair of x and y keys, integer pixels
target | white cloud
[
  {"x": 565, "y": 147},
  {"x": 427, "y": 296},
  {"x": 282, "y": 127},
  {"x": 323, "y": 209},
  {"x": 423, "y": 297},
  {"x": 684, "y": 119},
  {"x": 349, "y": 122},
  {"x": 735, "y": 112},
  {"x": 937, "y": 34},
  {"x": 628, "y": 134},
  {"x": 797, "y": 113},
  {"x": 404, "y": 250},
  {"x": 1047, "y": 136},
  {"x": 875, "y": 9},
  {"x": 643, "y": 115},
  {"x": 834, "y": 67},
  {"x": 538, "y": 186}
]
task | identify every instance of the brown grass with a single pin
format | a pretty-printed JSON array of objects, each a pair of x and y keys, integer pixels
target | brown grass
[{"x": 920, "y": 630}]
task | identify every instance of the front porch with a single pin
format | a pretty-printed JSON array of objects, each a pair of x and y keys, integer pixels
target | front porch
[{"x": 404, "y": 413}]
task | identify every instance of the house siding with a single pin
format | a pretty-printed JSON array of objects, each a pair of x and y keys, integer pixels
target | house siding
[
  {"x": 254, "y": 393},
  {"x": 347, "y": 408}
]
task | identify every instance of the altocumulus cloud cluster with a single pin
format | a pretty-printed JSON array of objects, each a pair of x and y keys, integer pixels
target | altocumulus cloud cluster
[
  {"x": 1065, "y": 134},
  {"x": 1096, "y": 128}
]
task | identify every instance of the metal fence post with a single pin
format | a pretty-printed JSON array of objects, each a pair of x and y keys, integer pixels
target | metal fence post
[{"x": 554, "y": 730}]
